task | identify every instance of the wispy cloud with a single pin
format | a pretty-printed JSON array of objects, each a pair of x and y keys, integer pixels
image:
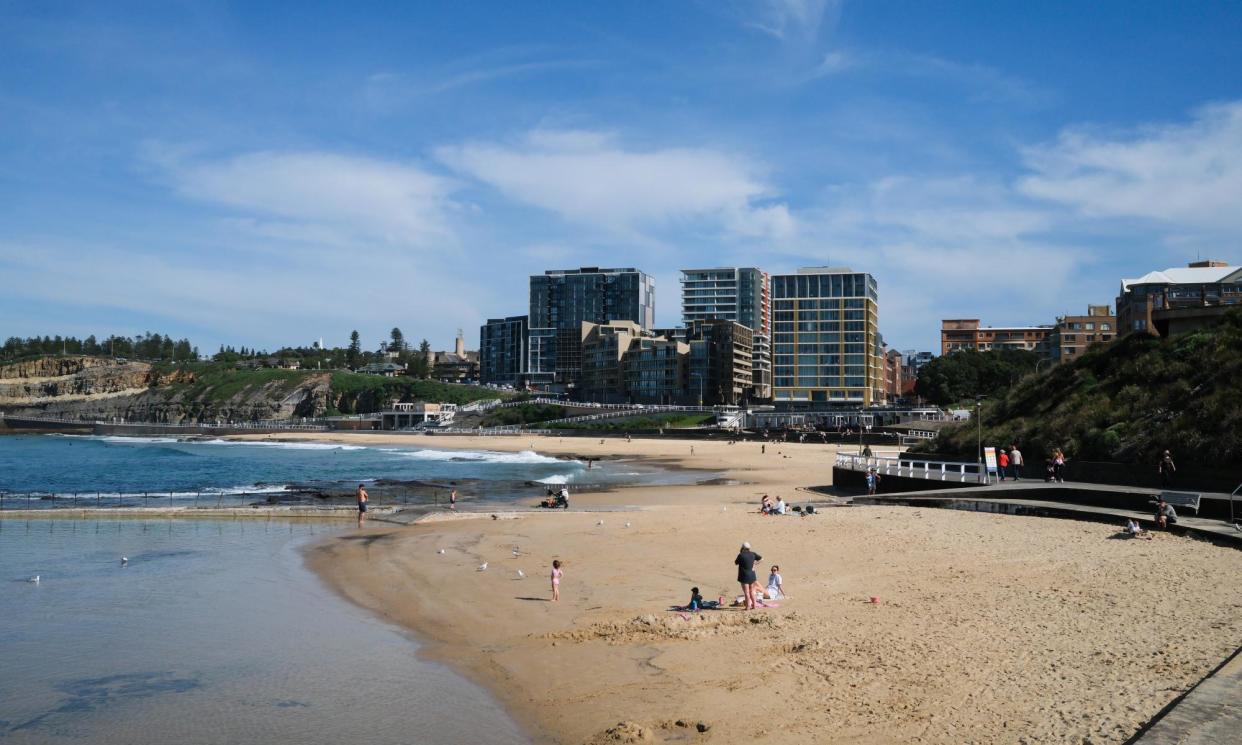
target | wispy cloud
[
  {"x": 318, "y": 195},
  {"x": 590, "y": 178},
  {"x": 980, "y": 82},
  {"x": 791, "y": 20},
  {"x": 1187, "y": 175}
]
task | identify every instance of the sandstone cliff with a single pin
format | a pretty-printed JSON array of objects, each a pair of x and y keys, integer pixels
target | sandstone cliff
[{"x": 102, "y": 388}]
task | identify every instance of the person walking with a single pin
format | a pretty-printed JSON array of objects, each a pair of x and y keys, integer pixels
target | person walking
[
  {"x": 1015, "y": 461},
  {"x": 1002, "y": 463},
  {"x": 1058, "y": 466},
  {"x": 1167, "y": 469},
  {"x": 745, "y": 562},
  {"x": 361, "y": 495},
  {"x": 453, "y": 499}
]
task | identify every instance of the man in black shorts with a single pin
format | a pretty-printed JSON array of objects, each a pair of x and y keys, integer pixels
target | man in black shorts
[
  {"x": 362, "y": 505},
  {"x": 746, "y": 573}
]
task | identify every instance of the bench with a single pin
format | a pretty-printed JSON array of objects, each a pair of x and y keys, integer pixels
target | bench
[{"x": 1182, "y": 499}]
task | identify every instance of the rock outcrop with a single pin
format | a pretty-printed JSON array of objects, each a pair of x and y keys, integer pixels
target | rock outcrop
[{"x": 105, "y": 389}]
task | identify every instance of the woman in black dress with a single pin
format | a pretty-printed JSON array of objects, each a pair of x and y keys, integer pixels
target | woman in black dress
[{"x": 746, "y": 573}]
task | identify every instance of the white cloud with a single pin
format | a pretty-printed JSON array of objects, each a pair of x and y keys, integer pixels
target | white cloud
[
  {"x": 588, "y": 178},
  {"x": 792, "y": 19},
  {"x": 327, "y": 196},
  {"x": 1187, "y": 175}
]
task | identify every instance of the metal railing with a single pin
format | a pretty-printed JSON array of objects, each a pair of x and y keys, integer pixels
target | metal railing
[{"x": 931, "y": 470}]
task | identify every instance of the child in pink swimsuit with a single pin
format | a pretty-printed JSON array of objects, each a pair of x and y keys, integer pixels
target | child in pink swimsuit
[{"x": 556, "y": 580}]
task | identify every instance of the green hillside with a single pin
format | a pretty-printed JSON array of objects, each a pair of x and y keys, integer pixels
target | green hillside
[{"x": 1125, "y": 401}]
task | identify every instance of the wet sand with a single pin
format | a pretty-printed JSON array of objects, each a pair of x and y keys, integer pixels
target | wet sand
[{"x": 989, "y": 628}]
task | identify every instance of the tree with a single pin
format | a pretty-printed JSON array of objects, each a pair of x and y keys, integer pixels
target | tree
[
  {"x": 354, "y": 354},
  {"x": 964, "y": 374},
  {"x": 420, "y": 365},
  {"x": 398, "y": 341}
]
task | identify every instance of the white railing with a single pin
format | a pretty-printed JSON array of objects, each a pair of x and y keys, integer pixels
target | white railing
[{"x": 914, "y": 468}]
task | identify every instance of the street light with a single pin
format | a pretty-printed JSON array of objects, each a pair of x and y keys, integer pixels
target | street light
[{"x": 979, "y": 423}]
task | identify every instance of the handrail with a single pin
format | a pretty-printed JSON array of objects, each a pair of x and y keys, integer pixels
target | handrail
[{"x": 931, "y": 470}]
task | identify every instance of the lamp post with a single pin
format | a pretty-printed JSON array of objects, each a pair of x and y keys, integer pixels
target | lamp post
[{"x": 979, "y": 425}]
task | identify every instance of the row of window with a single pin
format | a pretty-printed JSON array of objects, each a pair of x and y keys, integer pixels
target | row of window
[
  {"x": 849, "y": 303},
  {"x": 824, "y": 285}
]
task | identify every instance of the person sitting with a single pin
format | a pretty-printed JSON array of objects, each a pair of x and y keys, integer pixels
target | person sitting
[
  {"x": 696, "y": 599},
  {"x": 765, "y": 505},
  {"x": 1165, "y": 515},
  {"x": 779, "y": 509},
  {"x": 775, "y": 589}
]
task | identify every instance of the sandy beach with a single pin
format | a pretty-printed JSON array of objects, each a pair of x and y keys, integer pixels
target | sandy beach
[{"x": 989, "y": 628}]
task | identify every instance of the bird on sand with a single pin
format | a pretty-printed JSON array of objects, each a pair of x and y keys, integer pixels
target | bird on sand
[
  {"x": 520, "y": 574},
  {"x": 440, "y": 551},
  {"x": 483, "y": 567}
]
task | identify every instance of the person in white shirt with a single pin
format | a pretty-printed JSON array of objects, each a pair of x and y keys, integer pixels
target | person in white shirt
[
  {"x": 774, "y": 589},
  {"x": 780, "y": 506}
]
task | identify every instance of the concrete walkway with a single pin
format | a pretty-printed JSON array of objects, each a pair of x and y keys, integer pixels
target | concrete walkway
[
  {"x": 994, "y": 499},
  {"x": 1209, "y": 714}
]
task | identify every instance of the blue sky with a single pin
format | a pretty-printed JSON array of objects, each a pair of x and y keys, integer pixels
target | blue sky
[{"x": 266, "y": 173}]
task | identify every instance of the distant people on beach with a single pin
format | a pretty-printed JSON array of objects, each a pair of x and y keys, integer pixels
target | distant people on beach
[
  {"x": 765, "y": 504},
  {"x": 867, "y": 451},
  {"x": 696, "y": 599},
  {"x": 556, "y": 580},
  {"x": 745, "y": 562},
  {"x": 1002, "y": 463},
  {"x": 1058, "y": 466},
  {"x": 1015, "y": 461},
  {"x": 1134, "y": 530},
  {"x": 1167, "y": 469},
  {"x": 362, "y": 497},
  {"x": 453, "y": 499},
  {"x": 779, "y": 508},
  {"x": 873, "y": 480},
  {"x": 1165, "y": 515}
]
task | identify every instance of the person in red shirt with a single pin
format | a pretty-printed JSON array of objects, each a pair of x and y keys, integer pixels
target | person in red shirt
[{"x": 1002, "y": 463}]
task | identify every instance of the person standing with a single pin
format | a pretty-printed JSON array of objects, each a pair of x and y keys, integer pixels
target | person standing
[
  {"x": 556, "y": 580},
  {"x": 453, "y": 499},
  {"x": 745, "y": 562},
  {"x": 1002, "y": 463},
  {"x": 362, "y": 497},
  {"x": 1167, "y": 469},
  {"x": 873, "y": 481},
  {"x": 1015, "y": 461},
  {"x": 1058, "y": 466}
]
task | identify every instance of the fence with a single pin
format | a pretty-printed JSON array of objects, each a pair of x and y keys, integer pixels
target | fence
[
  {"x": 930, "y": 470},
  {"x": 34, "y": 500}
]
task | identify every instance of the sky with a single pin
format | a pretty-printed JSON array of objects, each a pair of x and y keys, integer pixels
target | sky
[{"x": 270, "y": 173}]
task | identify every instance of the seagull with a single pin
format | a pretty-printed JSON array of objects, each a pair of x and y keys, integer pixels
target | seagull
[
  {"x": 724, "y": 509},
  {"x": 483, "y": 567},
  {"x": 440, "y": 551},
  {"x": 515, "y": 552},
  {"x": 124, "y": 560},
  {"x": 627, "y": 525},
  {"x": 34, "y": 580},
  {"x": 521, "y": 574},
  {"x": 601, "y": 522}
]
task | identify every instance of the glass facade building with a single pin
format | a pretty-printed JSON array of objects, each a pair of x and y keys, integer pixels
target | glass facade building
[
  {"x": 825, "y": 338},
  {"x": 738, "y": 294},
  {"x": 562, "y": 300},
  {"x": 502, "y": 350}
]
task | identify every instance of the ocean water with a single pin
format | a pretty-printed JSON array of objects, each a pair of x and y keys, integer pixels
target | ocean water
[
  {"x": 213, "y": 633},
  {"x": 121, "y": 470}
]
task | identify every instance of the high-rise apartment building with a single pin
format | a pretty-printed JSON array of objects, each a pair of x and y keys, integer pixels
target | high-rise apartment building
[
  {"x": 503, "y": 344},
  {"x": 738, "y": 294},
  {"x": 562, "y": 300},
  {"x": 825, "y": 338}
]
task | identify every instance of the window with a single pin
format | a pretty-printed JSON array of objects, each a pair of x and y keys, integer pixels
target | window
[
  {"x": 1106, "y": 327},
  {"x": 1091, "y": 327}
]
